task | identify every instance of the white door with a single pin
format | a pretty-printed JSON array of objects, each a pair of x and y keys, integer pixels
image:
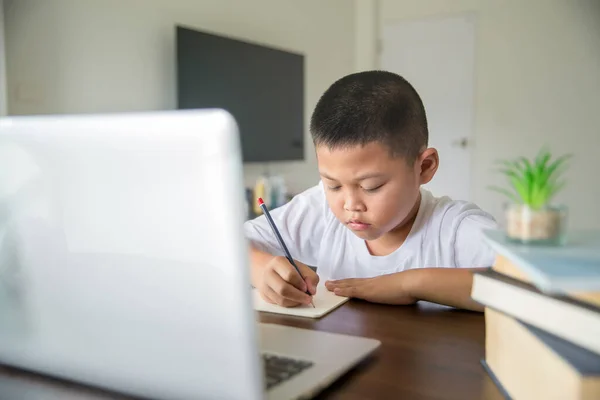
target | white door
[
  {"x": 3, "y": 90},
  {"x": 436, "y": 55}
]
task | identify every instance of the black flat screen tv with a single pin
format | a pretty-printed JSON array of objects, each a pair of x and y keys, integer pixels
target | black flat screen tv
[{"x": 262, "y": 87}]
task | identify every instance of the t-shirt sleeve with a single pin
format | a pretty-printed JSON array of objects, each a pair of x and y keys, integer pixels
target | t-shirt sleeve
[
  {"x": 470, "y": 248},
  {"x": 301, "y": 223}
]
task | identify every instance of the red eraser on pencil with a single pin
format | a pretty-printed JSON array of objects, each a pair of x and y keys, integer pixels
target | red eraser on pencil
[{"x": 260, "y": 201}]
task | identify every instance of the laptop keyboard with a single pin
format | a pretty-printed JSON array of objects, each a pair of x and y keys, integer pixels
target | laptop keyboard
[{"x": 279, "y": 369}]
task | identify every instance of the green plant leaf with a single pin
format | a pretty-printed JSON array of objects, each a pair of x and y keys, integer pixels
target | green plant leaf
[
  {"x": 510, "y": 173},
  {"x": 511, "y": 165},
  {"x": 554, "y": 189},
  {"x": 535, "y": 181},
  {"x": 521, "y": 189},
  {"x": 526, "y": 164},
  {"x": 507, "y": 193},
  {"x": 554, "y": 167},
  {"x": 540, "y": 167},
  {"x": 536, "y": 194},
  {"x": 542, "y": 158}
]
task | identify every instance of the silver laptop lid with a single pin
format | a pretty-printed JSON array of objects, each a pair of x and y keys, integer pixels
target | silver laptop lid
[{"x": 122, "y": 259}]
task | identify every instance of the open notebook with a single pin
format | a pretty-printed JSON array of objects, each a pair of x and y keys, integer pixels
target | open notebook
[{"x": 324, "y": 301}]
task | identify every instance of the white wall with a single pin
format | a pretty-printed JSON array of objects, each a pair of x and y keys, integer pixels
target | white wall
[
  {"x": 72, "y": 56},
  {"x": 537, "y": 63},
  {"x": 366, "y": 24},
  {"x": 3, "y": 97},
  {"x": 537, "y": 82}
]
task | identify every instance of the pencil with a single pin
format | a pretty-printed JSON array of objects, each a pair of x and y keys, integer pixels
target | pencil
[{"x": 263, "y": 206}]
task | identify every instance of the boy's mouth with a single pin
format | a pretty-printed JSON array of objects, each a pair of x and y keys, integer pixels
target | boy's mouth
[{"x": 357, "y": 225}]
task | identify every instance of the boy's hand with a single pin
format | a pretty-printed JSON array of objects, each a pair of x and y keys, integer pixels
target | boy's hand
[
  {"x": 387, "y": 289},
  {"x": 280, "y": 283}
]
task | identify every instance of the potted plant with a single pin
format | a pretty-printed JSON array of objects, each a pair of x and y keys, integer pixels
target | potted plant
[{"x": 531, "y": 218}]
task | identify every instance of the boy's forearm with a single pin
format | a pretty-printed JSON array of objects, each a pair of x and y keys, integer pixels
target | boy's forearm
[{"x": 448, "y": 286}]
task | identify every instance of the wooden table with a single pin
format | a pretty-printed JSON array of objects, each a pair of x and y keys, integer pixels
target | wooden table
[{"x": 427, "y": 352}]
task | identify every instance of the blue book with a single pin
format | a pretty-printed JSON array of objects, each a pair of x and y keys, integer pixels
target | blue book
[{"x": 572, "y": 267}]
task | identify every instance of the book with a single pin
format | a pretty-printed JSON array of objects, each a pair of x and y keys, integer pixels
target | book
[
  {"x": 572, "y": 269},
  {"x": 324, "y": 301},
  {"x": 530, "y": 363},
  {"x": 563, "y": 316},
  {"x": 497, "y": 384},
  {"x": 506, "y": 267}
]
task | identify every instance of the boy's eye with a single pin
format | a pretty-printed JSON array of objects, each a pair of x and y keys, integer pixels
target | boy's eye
[
  {"x": 334, "y": 188},
  {"x": 372, "y": 190}
]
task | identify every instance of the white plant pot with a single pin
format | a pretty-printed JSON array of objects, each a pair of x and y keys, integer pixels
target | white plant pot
[{"x": 535, "y": 226}]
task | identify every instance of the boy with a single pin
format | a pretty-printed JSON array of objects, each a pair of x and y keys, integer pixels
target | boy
[{"x": 368, "y": 226}]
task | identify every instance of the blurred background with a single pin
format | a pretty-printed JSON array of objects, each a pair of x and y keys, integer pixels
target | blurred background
[{"x": 499, "y": 78}]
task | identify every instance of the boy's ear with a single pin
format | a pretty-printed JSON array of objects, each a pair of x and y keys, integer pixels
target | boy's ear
[{"x": 428, "y": 163}]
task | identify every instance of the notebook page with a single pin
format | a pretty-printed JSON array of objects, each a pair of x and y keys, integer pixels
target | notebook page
[{"x": 324, "y": 301}]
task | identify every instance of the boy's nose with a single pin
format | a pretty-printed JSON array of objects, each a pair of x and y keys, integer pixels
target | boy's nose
[{"x": 353, "y": 205}]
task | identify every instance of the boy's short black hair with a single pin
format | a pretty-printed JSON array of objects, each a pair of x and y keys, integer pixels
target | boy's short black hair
[{"x": 371, "y": 106}]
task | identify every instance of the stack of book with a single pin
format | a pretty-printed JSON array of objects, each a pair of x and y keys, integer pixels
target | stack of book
[{"x": 542, "y": 316}]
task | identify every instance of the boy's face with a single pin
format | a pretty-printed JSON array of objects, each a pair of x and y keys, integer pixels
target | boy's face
[{"x": 370, "y": 191}]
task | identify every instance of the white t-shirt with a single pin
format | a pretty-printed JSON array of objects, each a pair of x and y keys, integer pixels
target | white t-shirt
[{"x": 445, "y": 233}]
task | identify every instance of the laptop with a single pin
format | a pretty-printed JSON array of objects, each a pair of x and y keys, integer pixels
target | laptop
[{"x": 123, "y": 263}]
